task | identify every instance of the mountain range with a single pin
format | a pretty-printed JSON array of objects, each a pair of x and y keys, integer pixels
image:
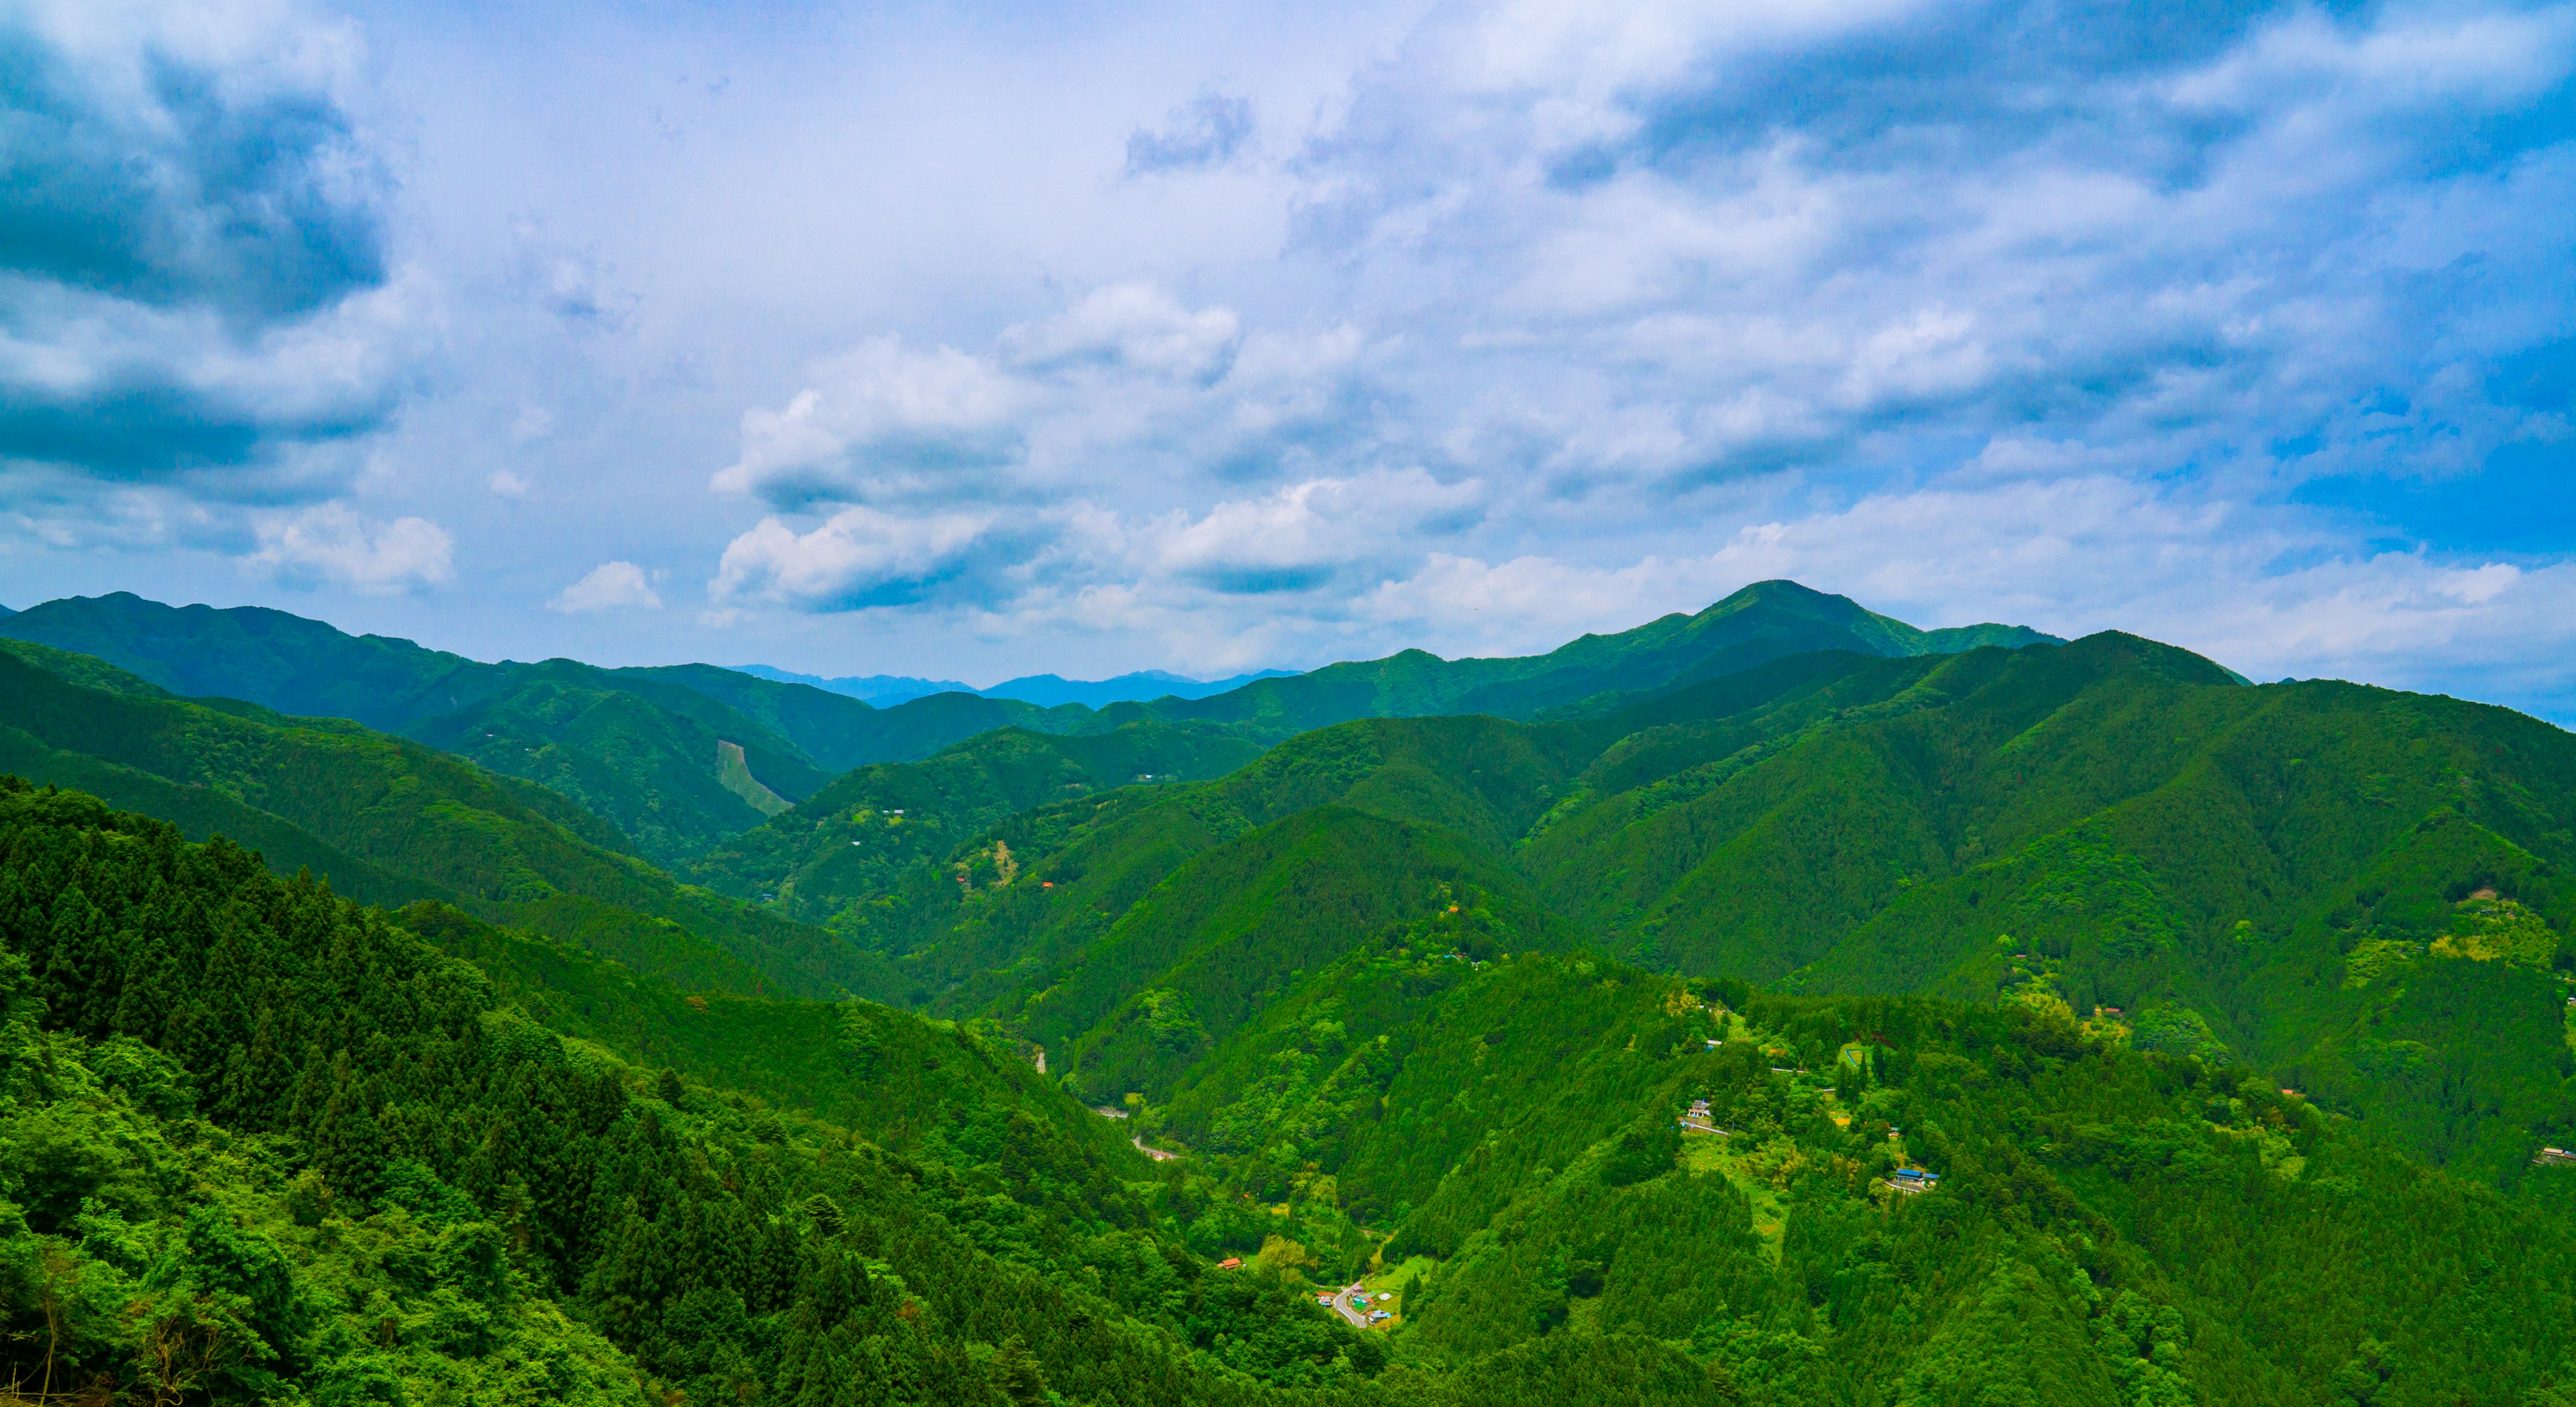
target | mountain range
[
  {"x": 1776, "y": 1004},
  {"x": 1044, "y": 690},
  {"x": 679, "y": 757}
]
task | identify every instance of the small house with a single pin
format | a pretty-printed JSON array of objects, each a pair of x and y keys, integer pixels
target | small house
[{"x": 1230, "y": 1263}]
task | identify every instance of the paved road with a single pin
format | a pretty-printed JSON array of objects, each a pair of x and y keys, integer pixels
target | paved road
[{"x": 1342, "y": 1305}]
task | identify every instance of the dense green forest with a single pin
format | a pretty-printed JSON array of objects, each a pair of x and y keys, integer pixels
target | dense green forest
[
  {"x": 1773, "y": 1005},
  {"x": 266, "y": 1144},
  {"x": 392, "y": 821},
  {"x": 263, "y": 1144},
  {"x": 643, "y": 747},
  {"x": 2357, "y": 890}
]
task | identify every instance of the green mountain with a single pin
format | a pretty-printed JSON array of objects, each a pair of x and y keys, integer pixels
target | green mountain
[
  {"x": 879, "y": 827},
  {"x": 391, "y": 821},
  {"x": 2107, "y": 1225},
  {"x": 1762, "y": 622},
  {"x": 1688, "y": 1016},
  {"x": 803, "y": 854},
  {"x": 262, "y": 1145},
  {"x": 646, "y": 748},
  {"x": 2359, "y": 891}
]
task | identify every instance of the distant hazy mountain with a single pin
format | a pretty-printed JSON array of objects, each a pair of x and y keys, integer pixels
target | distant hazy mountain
[
  {"x": 1143, "y": 686},
  {"x": 883, "y": 690},
  {"x": 1044, "y": 690}
]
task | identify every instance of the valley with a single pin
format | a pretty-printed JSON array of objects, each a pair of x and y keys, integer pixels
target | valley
[{"x": 1778, "y": 1004}]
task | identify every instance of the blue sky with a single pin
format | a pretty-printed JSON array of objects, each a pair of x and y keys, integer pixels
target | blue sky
[{"x": 968, "y": 341}]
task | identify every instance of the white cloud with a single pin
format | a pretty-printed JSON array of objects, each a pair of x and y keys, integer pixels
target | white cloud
[
  {"x": 607, "y": 587},
  {"x": 1132, "y": 327},
  {"x": 1126, "y": 384},
  {"x": 882, "y": 421},
  {"x": 1296, "y": 538},
  {"x": 204, "y": 291},
  {"x": 1513, "y": 318},
  {"x": 2270, "y": 592},
  {"x": 333, "y": 543},
  {"x": 858, "y": 557}
]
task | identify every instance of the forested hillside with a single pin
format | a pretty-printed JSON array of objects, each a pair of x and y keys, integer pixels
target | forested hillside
[
  {"x": 2357, "y": 890},
  {"x": 679, "y": 758},
  {"x": 641, "y": 748},
  {"x": 2107, "y": 1226},
  {"x": 263, "y": 1144},
  {"x": 1688, "y": 1016},
  {"x": 878, "y": 827},
  {"x": 393, "y": 821}
]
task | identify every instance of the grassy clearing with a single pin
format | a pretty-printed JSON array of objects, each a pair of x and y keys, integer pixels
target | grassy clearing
[{"x": 1704, "y": 1154}]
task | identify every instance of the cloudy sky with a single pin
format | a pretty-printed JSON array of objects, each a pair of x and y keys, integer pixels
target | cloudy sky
[{"x": 976, "y": 341}]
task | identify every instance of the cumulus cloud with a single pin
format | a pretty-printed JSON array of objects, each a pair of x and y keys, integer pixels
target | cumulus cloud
[
  {"x": 1822, "y": 235},
  {"x": 607, "y": 587},
  {"x": 1124, "y": 381},
  {"x": 1310, "y": 534},
  {"x": 334, "y": 544},
  {"x": 1560, "y": 316},
  {"x": 883, "y": 421},
  {"x": 940, "y": 474},
  {"x": 194, "y": 283},
  {"x": 1205, "y": 131},
  {"x": 856, "y": 558}
]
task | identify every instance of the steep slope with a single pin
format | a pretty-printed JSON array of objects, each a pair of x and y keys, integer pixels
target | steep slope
[
  {"x": 877, "y": 826},
  {"x": 2360, "y": 890},
  {"x": 1762, "y": 622},
  {"x": 655, "y": 771},
  {"x": 263, "y": 1145},
  {"x": 637, "y": 746},
  {"x": 400, "y": 821},
  {"x": 2107, "y": 1226},
  {"x": 1339, "y": 831}
]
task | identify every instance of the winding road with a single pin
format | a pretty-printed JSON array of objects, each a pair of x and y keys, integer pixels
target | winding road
[{"x": 1342, "y": 1306}]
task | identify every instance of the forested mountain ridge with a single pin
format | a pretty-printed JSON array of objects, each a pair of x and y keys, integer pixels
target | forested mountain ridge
[
  {"x": 804, "y": 855},
  {"x": 1760, "y": 623},
  {"x": 265, "y": 1145},
  {"x": 638, "y": 747},
  {"x": 2230, "y": 1017},
  {"x": 641, "y": 747},
  {"x": 395, "y": 821},
  {"x": 2358, "y": 889},
  {"x": 2107, "y": 1227},
  {"x": 877, "y": 828}
]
